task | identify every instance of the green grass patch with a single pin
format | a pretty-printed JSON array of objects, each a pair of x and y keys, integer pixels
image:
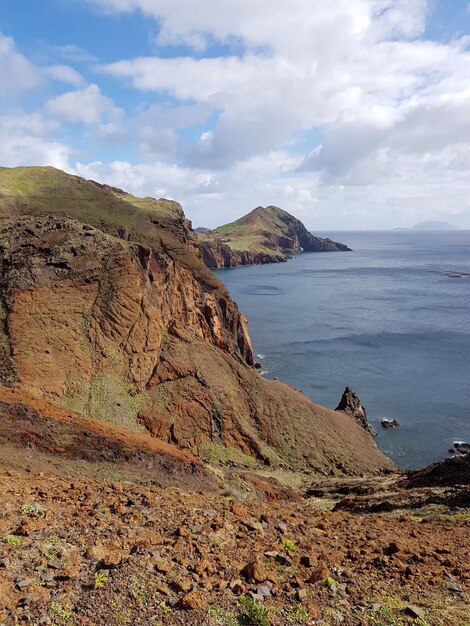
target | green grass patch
[
  {"x": 61, "y": 612},
  {"x": 298, "y": 615},
  {"x": 220, "y": 617},
  {"x": 100, "y": 579},
  {"x": 109, "y": 398},
  {"x": 33, "y": 510},
  {"x": 219, "y": 454}
]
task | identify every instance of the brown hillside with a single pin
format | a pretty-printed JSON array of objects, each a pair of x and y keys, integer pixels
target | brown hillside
[{"x": 126, "y": 324}]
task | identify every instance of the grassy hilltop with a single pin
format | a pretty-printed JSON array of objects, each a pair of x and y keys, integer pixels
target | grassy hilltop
[
  {"x": 266, "y": 234},
  {"x": 52, "y": 190}
]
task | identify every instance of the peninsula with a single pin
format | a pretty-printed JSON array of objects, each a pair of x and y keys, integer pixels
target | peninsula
[{"x": 265, "y": 235}]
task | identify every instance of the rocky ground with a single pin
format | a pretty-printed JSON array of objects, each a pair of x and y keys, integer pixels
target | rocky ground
[
  {"x": 102, "y": 525},
  {"x": 89, "y": 552}
]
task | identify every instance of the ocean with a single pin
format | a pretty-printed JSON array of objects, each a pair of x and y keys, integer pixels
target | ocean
[{"x": 390, "y": 319}]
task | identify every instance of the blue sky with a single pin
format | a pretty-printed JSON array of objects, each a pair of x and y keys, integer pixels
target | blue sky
[{"x": 351, "y": 114}]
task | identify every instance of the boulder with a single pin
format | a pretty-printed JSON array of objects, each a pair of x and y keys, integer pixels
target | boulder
[{"x": 388, "y": 423}]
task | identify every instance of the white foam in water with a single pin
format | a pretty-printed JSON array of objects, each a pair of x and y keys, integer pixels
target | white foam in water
[
  {"x": 260, "y": 356},
  {"x": 263, "y": 372}
]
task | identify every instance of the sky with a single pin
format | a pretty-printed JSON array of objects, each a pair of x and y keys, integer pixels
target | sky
[{"x": 350, "y": 114}]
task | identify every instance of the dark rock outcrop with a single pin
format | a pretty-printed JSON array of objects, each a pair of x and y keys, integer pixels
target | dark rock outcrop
[
  {"x": 446, "y": 483},
  {"x": 388, "y": 423},
  {"x": 351, "y": 405},
  {"x": 450, "y": 472},
  {"x": 460, "y": 447}
]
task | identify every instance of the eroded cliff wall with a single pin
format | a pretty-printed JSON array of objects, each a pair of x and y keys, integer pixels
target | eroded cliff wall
[{"x": 128, "y": 325}]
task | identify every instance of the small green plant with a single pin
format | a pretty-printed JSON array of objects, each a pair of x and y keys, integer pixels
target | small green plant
[
  {"x": 289, "y": 546},
  {"x": 101, "y": 578},
  {"x": 34, "y": 510},
  {"x": 62, "y": 612},
  {"x": 460, "y": 516},
  {"x": 52, "y": 547},
  {"x": 253, "y": 613},
  {"x": 104, "y": 511},
  {"x": 166, "y": 608},
  {"x": 328, "y": 582},
  {"x": 391, "y": 613},
  {"x": 298, "y": 615},
  {"x": 142, "y": 597},
  {"x": 387, "y": 613},
  {"x": 12, "y": 540},
  {"x": 221, "y": 617}
]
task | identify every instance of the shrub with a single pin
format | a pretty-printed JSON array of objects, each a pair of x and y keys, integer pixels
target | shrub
[
  {"x": 101, "y": 578},
  {"x": 297, "y": 615},
  {"x": 254, "y": 613},
  {"x": 289, "y": 546},
  {"x": 165, "y": 607},
  {"x": 33, "y": 510},
  {"x": 62, "y": 612},
  {"x": 12, "y": 540},
  {"x": 221, "y": 617},
  {"x": 328, "y": 582}
]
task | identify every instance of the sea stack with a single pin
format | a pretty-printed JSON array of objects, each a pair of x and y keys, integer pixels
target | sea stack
[{"x": 351, "y": 405}]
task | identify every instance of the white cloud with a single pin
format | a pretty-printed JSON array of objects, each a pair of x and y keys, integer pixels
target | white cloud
[
  {"x": 289, "y": 26},
  {"x": 72, "y": 54},
  {"x": 175, "y": 116},
  {"x": 87, "y": 105},
  {"x": 340, "y": 111},
  {"x": 155, "y": 179},
  {"x": 210, "y": 199},
  {"x": 158, "y": 143},
  {"x": 27, "y": 140},
  {"x": 360, "y": 87},
  {"x": 64, "y": 74},
  {"x": 16, "y": 72}
]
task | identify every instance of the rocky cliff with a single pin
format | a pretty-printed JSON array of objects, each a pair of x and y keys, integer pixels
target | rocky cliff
[
  {"x": 265, "y": 235},
  {"x": 108, "y": 310},
  {"x": 218, "y": 254}
]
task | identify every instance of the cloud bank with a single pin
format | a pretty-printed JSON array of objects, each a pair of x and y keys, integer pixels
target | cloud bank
[{"x": 346, "y": 113}]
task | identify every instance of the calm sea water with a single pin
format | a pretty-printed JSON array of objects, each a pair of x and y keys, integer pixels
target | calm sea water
[{"x": 375, "y": 319}]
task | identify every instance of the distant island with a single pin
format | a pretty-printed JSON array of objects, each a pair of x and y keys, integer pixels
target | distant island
[
  {"x": 265, "y": 235},
  {"x": 431, "y": 225}
]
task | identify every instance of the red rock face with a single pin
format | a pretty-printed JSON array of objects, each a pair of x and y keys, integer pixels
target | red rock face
[
  {"x": 145, "y": 336},
  {"x": 86, "y": 301}
]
